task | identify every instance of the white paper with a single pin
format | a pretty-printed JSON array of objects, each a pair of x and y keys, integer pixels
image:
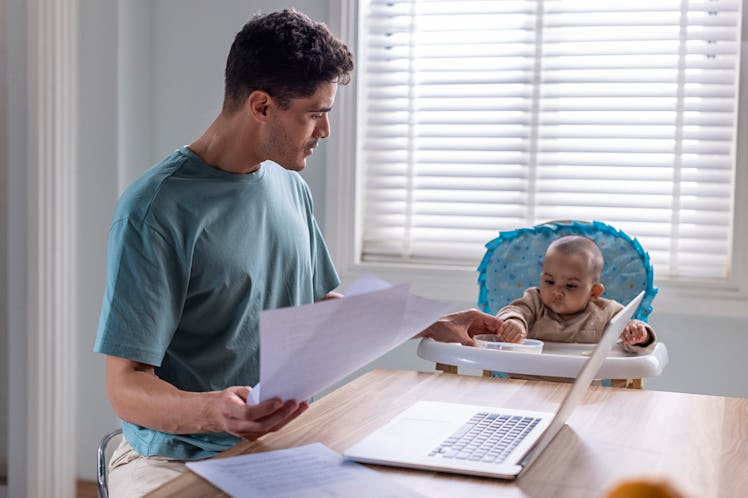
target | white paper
[
  {"x": 366, "y": 282},
  {"x": 311, "y": 471},
  {"x": 306, "y": 349}
]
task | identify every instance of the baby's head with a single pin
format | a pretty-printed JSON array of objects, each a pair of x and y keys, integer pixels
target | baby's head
[{"x": 572, "y": 266}]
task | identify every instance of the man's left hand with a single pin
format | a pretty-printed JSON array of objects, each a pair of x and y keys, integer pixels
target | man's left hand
[{"x": 461, "y": 326}]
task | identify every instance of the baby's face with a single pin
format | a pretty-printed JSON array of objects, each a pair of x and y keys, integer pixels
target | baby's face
[{"x": 566, "y": 282}]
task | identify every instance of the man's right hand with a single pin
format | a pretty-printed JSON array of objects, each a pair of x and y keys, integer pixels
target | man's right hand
[
  {"x": 252, "y": 421},
  {"x": 140, "y": 397}
]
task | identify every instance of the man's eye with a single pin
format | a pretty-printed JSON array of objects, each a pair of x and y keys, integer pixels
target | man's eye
[{"x": 317, "y": 116}]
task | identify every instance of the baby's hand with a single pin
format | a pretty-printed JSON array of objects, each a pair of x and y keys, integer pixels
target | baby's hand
[
  {"x": 634, "y": 333},
  {"x": 512, "y": 331}
]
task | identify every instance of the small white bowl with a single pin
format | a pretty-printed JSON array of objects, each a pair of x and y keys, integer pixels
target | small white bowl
[{"x": 491, "y": 341}]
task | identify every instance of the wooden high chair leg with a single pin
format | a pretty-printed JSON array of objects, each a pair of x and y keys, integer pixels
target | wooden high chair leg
[
  {"x": 450, "y": 369},
  {"x": 628, "y": 383}
]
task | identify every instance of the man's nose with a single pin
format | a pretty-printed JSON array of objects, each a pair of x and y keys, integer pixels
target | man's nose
[{"x": 323, "y": 127}]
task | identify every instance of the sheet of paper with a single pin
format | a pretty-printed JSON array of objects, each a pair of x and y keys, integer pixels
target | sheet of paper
[
  {"x": 306, "y": 349},
  {"x": 366, "y": 282},
  {"x": 311, "y": 471}
]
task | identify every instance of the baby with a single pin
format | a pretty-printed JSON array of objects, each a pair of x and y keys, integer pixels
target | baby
[{"x": 567, "y": 306}]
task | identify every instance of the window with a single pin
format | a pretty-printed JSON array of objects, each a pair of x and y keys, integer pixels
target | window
[{"x": 475, "y": 117}]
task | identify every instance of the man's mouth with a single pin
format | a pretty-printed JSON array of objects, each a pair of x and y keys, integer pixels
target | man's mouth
[{"x": 309, "y": 149}]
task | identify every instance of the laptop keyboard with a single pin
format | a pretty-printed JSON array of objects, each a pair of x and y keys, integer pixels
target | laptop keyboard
[{"x": 486, "y": 437}]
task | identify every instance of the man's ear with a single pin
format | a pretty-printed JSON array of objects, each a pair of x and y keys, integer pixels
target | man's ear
[
  {"x": 597, "y": 289},
  {"x": 257, "y": 104}
]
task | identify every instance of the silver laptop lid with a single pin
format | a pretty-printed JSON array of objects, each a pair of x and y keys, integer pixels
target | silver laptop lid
[{"x": 584, "y": 378}]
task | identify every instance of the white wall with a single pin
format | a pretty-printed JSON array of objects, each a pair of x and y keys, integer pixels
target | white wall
[{"x": 151, "y": 80}]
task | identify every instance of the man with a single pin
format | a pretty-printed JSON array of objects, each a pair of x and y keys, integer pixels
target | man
[{"x": 210, "y": 236}]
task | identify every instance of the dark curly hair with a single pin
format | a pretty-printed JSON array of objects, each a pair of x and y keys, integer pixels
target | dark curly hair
[{"x": 285, "y": 54}]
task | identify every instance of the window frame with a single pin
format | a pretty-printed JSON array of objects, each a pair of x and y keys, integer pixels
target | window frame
[{"x": 459, "y": 285}]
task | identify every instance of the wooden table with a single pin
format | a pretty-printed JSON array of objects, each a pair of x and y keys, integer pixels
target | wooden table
[{"x": 699, "y": 443}]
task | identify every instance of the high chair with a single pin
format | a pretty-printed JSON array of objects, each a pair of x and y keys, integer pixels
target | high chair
[{"x": 513, "y": 262}]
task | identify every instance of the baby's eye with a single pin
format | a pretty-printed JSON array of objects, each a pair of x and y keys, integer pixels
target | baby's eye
[
  {"x": 548, "y": 282},
  {"x": 571, "y": 286}
]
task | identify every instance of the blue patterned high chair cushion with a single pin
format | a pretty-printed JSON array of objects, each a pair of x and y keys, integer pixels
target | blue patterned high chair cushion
[{"x": 514, "y": 260}]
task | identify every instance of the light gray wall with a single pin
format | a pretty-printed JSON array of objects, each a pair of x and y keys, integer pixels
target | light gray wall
[
  {"x": 706, "y": 354},
  {"x": 14, "y": 160},
  {"x": 4, "y": 343},
  {"x": 151, "y": 80},
  {"x": 97, "y": 189}
]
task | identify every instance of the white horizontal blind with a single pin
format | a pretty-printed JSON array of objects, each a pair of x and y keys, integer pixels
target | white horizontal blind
[{"x": 482, "y": 116}]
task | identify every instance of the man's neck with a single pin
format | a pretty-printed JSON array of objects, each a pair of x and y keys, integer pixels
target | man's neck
[{"x": 227, "y": 145}]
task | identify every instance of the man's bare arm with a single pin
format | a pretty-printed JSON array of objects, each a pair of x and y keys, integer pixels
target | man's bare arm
[{"x": 140, "y": 397}]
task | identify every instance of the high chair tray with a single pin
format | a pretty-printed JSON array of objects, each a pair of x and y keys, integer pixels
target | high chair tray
[{"x": 557, "y": 359}]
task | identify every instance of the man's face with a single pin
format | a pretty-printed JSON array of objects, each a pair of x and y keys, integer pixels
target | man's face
[
  {"x": 566, "y": 284},
  {"x": 294, "y": 132}
]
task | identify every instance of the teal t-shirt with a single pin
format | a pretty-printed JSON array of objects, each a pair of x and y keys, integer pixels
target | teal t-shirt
[{"x": 194, "y": 255}]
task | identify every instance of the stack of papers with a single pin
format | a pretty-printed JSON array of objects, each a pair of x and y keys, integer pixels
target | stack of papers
[{"x": 311, "y": 471}]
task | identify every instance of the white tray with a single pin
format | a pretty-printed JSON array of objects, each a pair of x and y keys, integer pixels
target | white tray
[{"x": 557, "y": 359}]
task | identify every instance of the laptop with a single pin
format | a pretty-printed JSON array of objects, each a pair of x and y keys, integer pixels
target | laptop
[{"x": 480, "y": 440}]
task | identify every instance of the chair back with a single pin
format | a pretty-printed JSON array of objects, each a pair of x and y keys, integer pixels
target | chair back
[
  {"x": 106, "y": 447},
  {"x": 513, "y": 262}
]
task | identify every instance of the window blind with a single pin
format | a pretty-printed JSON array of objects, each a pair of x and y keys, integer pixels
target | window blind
[{"x": 482, "y": 116}]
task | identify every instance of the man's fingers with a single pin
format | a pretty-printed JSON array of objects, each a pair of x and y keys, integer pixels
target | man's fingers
[
  {"x": 485, "y": 321},
  {"x": 274, "y": 409},
  {"x": 277, "y": 418},
  {"x": 300, "y": 408},
  {"x": 254, "y": 413},
  {"x": 241, "y": 391},
  {"x": 265, "y": 417}
]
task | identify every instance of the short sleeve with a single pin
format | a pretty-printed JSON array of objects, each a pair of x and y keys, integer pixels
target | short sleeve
[
  {"x": 325, "y": 277},
  {"x": 145, "y": 289}
]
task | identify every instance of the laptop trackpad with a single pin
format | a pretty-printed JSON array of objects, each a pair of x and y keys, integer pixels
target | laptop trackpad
[{"x": 408, "y": 428}]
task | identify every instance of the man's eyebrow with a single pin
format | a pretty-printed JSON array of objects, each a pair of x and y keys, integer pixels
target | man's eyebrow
[{"x": 323, "y": 109}]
